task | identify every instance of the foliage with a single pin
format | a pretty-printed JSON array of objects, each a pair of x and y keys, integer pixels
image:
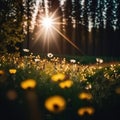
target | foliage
[
  {"x": 58, "y": 89},
  {"x": 11, "y": 25}
]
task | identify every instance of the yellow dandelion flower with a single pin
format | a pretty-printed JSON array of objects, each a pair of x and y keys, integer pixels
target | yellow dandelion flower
[
  {"x": 11, "y": 94},
  {"x": 1, "y": 72},
  {"x": 86, "y": 110},
  {"x": 22, "y": 65},
  {"x": 29, "y": 83},
  {"x": 117, "y": 90},
  {"x": 84, "y": 95},
  {"x": 58, "y": 76},
  {"x": 3, "y": 76},
  {"x": 12, "y": 71},
  {"x": 55, "y": 104},
  {"x": 66, "y": 84}
]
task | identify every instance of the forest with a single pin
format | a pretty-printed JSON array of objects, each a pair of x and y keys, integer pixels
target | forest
[
  {"x": 81, "y": 27},
  {"x": 59, "y": 59}
]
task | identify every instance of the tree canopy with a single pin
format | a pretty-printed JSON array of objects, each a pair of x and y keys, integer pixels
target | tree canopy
[{"x": 87, "y": 23}]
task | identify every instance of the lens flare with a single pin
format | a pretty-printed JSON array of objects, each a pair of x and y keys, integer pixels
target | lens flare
[
  {"x": 50, "y": 27},
  {"x": 47, "y": 22}
]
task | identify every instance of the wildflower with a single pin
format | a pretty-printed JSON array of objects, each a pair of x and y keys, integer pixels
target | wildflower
[
  {"x": 58, "y": 76},
  {"x": 26, "y": 50},
  {"x": 21, "y": 65},
  {"x": 12, "y": 71},
  {"x": 66, "y": 84},
  {"x": 55, "y": 104},
  {"x": 1, "y": 72},
  {"x": 88, "y": 86},
  {"x": 73, "y": 61},
  {"x": 84, "y": 95},
  {"x": 3, "y": 76},
  {"x": 86, "y": 110},
  {"x": 37, "y": 60},
  {"x": 117, "y": 90},
  {"x": 29, "y": 83},
  {"x": 50, "y": 55},
  {"x": 99, "y": 60}
]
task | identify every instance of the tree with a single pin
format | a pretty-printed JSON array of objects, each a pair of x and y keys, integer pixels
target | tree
[
  {"x": 68, "y": 25},
  {"x": 11, "y": 25},
  {"x": 77, "y": 16},
  {"x": 56, "y": 12},
  {"x": 29, "y": 21}
]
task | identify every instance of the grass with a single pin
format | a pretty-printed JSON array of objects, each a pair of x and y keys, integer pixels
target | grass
[{"x": 59, "y": 88}]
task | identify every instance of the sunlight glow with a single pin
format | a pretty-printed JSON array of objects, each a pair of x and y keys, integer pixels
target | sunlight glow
[
  {"x": 68, "y": 40},
  {"x": 50, "y": 25},
  {"x": 47, "y": 22}
]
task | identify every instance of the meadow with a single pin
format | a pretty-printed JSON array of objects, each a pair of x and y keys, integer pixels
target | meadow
[{"x": 58, "y": 88}]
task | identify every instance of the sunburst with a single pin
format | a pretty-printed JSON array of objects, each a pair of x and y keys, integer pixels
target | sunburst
[
  {"x": 50, "y": 27},
  {"x": 47, "y": 22}
]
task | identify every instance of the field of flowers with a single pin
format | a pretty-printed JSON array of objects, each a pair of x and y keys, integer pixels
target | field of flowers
[{"x": 53, "y": 88}]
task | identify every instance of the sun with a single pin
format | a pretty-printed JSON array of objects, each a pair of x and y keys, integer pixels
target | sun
[
  {"x": 50, "y": 27},
  {"x": 47, "y": 22}
]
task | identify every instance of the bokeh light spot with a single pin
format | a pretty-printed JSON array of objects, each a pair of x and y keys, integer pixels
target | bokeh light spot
[{"x": 55, "y": 104}]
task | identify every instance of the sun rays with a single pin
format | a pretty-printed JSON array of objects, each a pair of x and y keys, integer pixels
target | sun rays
[
  {"x": 47, "y": 22},
  {"x": 49, "y": 28}
]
